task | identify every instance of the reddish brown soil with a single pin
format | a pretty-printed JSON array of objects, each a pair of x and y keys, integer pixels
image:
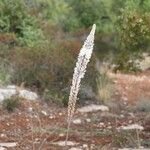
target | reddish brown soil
[{"x": 33, "y": 130}]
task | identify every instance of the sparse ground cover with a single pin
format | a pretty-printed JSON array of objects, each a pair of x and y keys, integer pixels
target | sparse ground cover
[{"x": 37, "y": 125}]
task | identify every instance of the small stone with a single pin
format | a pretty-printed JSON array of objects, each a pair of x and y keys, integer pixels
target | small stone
[
  {"x": 77, "y": 121},
  {"x": 2, "y": 148},
  {"x": 2, "y": 135},
  {"x": 30, "y": 109},
  {"x": 13, "y": 144},
  {"x": 61, "y": 134},
  {"x": 122, "y": 116},
  {"x": 85, "y": 146},
  {"x": 63, "y": 143},
  {"x": 109, "y": 127},
  {"x": 75, "y": 148},
  {"x": 132, "y": 127},
  {"x": 88, "y": 120},
  {"x": 93, "y": 108},
  {"x": 130, "y": 121},
  {"x": 7, "y": 124},
  {"x": 44, "y": 112},
  {"x": 60, "y": 114},
  {"x": 51, "y": 117},
  {"x": 101, "y": 124}
]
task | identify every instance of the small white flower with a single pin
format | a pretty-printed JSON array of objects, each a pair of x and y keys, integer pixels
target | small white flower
[{"x": 79, "y": 71}]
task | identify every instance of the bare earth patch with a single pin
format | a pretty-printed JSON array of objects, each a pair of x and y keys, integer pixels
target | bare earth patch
[{"x": 39, "y": 126}]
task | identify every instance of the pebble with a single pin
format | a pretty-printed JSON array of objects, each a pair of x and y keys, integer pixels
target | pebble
[
  {"x": 77, "y": 121},
  {"x": 44, "y": 112},
  {"x": 93, "y": 108},
  {"x": 88, "y": 120}
]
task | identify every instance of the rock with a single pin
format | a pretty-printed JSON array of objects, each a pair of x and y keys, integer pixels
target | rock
[
  {"x": 11, "y": 90},
  {"x": 30, "y": 109},
  {"x": 85, "y": 146},
  {"x": 28, "y": 95},
  {"x": 62, "y": 143},
  {"x": 75, "y": 148},
  {"x": 44, "y": 112},
  {"x": 101, "y": 124},
  {"x": 132, "y": 127},
  {"x": 93, "y": 108},
  {"x": 61, "y": 134},
  {"x": 77, "y": 121},
  {"x": 133, "y": 149},
  {"x": 2, "y": 135},
  {"x": 2, "y": 148},
  {"x": 6, "y": 93},
  {"x": 88, "y": 120},
  {"x": 13, "y": 144},
  {"x": 11, "y": 86}
]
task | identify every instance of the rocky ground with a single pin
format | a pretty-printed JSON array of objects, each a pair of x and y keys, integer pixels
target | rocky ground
[{"x": 123, "y": 123}]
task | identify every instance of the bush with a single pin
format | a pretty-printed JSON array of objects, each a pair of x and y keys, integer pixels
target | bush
[
  {"x": 126, "y": 139},
  {"x": 5, "y": 65},
  {"x": 143, "y": 104},
  {"x": 87, "y": 13},
  {"x": 5, "y": 74},
  {"x": 43, "y": 66},
  {"x": 133, "y": 36},
  {"x": 12, "y": 103},
  {"x": 15, "y": 18},
  {"x": 58, "y": 97}
]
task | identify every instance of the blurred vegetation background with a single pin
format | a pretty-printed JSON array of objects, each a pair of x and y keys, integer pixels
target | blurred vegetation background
[{"x": 40, "y": 40}]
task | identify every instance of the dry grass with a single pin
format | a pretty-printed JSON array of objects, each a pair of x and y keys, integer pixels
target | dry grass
[{"x": 104, "y": 84}]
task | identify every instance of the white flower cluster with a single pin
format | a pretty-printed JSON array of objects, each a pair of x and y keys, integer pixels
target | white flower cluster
[{"x": 79, "y": 71}]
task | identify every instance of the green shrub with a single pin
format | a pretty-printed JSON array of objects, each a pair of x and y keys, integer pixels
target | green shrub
[
  {"x": 58, "y": 97},
  {"x": 125, "y": 62},
  {"x": 88, "y": 12},
  {"x": 11, "y": 103},
  {"x": 15, "y": 18},
  {"x": 133, "y": 36},
  {"x": 5, "y": 65},
  {"x": 126, "y": 139},
  {"x": 43, "y": 66},
  {"x": 143, "y": 104},
  {"x": 5, "y": 74}
]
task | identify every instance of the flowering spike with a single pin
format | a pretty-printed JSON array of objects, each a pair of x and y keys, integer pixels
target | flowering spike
[{"x": 79, "y": 71}]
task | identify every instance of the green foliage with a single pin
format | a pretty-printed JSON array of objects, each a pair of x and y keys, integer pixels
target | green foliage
[
  {"x": 134, "y": 31},
  {"x": 125, "y": 62},
  {"x": 5, "y": 67},
  {"x": 12, "y": 103},
  {"x": 15, "y": 18},
  {"x": 43, "y": 66},
  {"x": 143, "y": 104},
  {"x": 35, "y": 47},
  {"x": 88, "y": 12},
  {"x": 58, "y": 97},
  {"x": 133, "y": 35},
  {"x": 5, "y": 76},
  {"x": 126, "y": 139}
]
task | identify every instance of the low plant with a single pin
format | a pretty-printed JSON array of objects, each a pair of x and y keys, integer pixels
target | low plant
[
  {"x": 5, "y": 75},
  {"x": 58, "y": 97},
  {"x": 126, "y": 139},
  {"x": 143, "y": 104},
  {"x": 104, "y": 84},
  {"x": 11, "y": 103}
]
